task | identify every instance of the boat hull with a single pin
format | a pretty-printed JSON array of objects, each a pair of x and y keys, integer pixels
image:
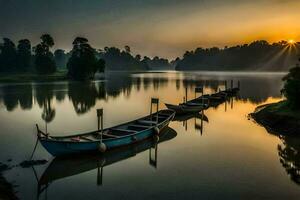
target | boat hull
[
  {"x": 180, "y": 109},
  {"x": 59, "y": 148}
]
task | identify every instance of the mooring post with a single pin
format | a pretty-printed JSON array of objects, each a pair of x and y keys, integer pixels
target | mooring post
[
  {"x": 186, "y": 94},
  {"x": 99, "y": 175},
  {"x": 100, "y": 122},
  {"x": 199, "y": 90},
  {"x": 202, "y": 116},
  {"x": 225, "y": 84},
  {"x": 154, "y": 101}
]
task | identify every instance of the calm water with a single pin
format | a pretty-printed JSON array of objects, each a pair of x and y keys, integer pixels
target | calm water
[{"x": 226, "y": 156}]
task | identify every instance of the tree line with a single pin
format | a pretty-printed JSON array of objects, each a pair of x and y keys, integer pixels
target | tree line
[
  {"x": 258, "y": 55},
  {"x": 82, "y": 62}
]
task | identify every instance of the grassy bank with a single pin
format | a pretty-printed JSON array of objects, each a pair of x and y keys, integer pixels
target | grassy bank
[
  {"x": 278, "y": 118},
  {"x": 27, "y": 77}
]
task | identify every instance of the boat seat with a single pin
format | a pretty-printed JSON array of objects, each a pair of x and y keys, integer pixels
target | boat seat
[
  {"x": 147, "y": 122},
  {"x": 195, "y": 104},
  {"x": 105, "y": 133},
  {"x": 139, "y": 126},
  {"x": 163, "y": 114},
  {"x": 123, "y": 130},
  {"x": 109, "y": 135},
  {"x": 161, "y": 117},
  {"x": 86, "y": 138}
]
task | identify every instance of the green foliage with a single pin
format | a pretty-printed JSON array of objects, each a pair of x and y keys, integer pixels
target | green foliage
[
  {"x": 83, "y": 63},
  {"x": 60, "y": 58},
  {"x": 291, "y": 88},
  {"x": 115, "y": 59},
  {"x": 24, "y": 55},
  {"x": 44, "y": 59},
  {"x": 8, "y": 56}
]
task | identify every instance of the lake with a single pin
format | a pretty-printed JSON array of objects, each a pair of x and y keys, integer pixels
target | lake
[{"x": 224, "y": 155}]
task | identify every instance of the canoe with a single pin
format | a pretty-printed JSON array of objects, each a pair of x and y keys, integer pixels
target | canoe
[
  {"x": 185, "y": 108},
  {"x": 117, "y": 136},
  {"x": 70, "y": 165}
]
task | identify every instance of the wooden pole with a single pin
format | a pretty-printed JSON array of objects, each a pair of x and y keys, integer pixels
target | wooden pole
[
  {"x": 239, "y": 84},
  {"x": 225, "y": 83},
  {"x": 186, "y": 93},
  {"x": 100, "y": 122},
  {"x": 202, "y": 121},
  {"x": 154, "y": 101},
  {"x": 157, "y": 112},
  {"x": 99, "y": 175},
  {"x": 231, "y": 84}
]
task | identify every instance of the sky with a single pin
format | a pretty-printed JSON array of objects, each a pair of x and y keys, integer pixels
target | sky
[{"x": 166, "y": 28}]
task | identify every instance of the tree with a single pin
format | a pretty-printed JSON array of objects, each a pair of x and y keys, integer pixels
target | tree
[
  {"x": 83, "y": 63},
  {"x": 127, "y": 49},
  {"x": 60, "y": 58},
  {"x": 44, "y": 59},
  {"x": 24, "y": 55},
  {"x": 291, "y": 88},
  {"x": 8, "y": 56},
  {"x": 138, "y": 57}
]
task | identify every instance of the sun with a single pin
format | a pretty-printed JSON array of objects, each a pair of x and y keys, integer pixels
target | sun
[{"x": 291, "y": 41}]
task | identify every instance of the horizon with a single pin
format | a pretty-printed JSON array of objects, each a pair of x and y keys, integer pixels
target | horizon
[
  {"x": 165, "y": 29},
  {"x": 67, "y": 50}
]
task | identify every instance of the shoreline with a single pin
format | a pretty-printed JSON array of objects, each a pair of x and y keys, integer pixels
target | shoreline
[
  {"x": 25, "y": 78},
  {"x": 278, "y": 118},
  {"x": 62, "y": 75}
]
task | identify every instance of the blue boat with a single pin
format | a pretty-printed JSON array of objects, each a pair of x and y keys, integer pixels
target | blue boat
[
  {"x": 109, "y": 138},
  {"x": 66, "y": 166}
]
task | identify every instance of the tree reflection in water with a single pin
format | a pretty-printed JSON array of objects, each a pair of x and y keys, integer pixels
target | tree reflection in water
[
  {"x": 14, "y": 95},
  {"x": 289, "y": 154},
  {"x": 84, "y": 95}
]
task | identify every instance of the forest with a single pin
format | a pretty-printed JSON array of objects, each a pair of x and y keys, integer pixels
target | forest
[
  {"x": 83, "y": 61},
  {"x": 256, "y": 56}
]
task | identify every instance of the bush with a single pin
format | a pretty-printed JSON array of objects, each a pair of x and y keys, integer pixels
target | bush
[{"x": 291, "y": 88}]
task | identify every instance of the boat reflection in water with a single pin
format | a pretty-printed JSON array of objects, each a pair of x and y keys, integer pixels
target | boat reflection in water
[
  {"x": 197, "y": 116},
  {"x": 62, "y": 167}
]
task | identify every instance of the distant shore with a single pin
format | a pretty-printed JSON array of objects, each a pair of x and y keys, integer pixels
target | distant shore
[
  {"x": 28, "y": 77},
  {"x": 62, "y": 75},
  {"x": 278, "y": 118}
]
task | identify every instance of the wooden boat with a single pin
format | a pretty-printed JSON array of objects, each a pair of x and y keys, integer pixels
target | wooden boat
[
  {"x": 70, "y": 165},
  {"x": 186, "y": 108},
  {"x": 109, "y": 138}
]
